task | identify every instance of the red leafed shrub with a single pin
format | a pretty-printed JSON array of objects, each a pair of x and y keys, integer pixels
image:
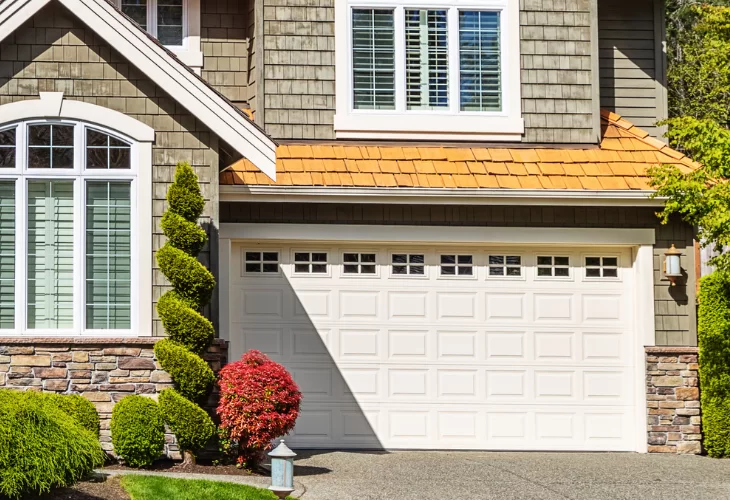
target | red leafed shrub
[{"x": 259, "y": 402}]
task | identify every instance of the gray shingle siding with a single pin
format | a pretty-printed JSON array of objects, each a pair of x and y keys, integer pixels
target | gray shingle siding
[{"x": 675, "y": 314}]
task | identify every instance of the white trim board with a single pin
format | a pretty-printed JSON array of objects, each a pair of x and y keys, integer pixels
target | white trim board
[
  {"x": 166, "y": 71},
  {"x": 437, "y": 234},
  {"x": 438, "y": 196}
]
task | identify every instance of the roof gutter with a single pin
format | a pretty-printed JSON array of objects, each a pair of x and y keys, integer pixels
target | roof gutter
[{"x": 438, "y": 196}]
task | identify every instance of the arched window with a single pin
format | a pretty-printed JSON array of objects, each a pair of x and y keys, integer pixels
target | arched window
[{"x": 67, "y": 229}]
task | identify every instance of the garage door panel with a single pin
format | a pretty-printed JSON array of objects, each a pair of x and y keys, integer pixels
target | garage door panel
[{"x": 439, "y": 362}]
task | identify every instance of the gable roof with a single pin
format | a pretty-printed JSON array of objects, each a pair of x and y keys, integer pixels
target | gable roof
[
  {"x": 163, "y": 68},
  {"x": 619, "y": 163}
]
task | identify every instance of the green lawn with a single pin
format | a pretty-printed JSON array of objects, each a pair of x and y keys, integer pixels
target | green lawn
[{"x": 165, "y": 488}]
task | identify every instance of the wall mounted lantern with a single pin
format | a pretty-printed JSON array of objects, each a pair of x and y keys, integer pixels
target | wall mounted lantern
[
  {"x": 282, "y": 470},
  {"x": 672, "y": 269}
]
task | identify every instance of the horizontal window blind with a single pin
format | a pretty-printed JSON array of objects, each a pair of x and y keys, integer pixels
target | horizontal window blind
[
  {"x": 170, "y": 22},
  {"x": 427, "y": 59},
  {"x": 108, "y": 255},
  {"x": 373, "y": 56},
  {"x": 50, "y": 254},
  {"x": 7, "y": 255},
  {"x": 479, "y": 61}
]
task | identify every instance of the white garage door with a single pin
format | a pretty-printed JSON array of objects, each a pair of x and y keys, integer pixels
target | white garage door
[{"x": 445, "y": 348}]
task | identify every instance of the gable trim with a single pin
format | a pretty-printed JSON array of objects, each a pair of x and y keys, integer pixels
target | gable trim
[{"x": 163, "y": 69}]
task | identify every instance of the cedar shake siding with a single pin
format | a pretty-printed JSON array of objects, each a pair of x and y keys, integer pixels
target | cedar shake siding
[
  {"x": 674, "y": 307},
  {"x": 55, "y": 52}
]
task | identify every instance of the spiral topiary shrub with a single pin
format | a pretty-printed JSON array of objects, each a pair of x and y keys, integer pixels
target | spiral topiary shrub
[
  {"x": 189, "y": 332},
  {"x": 41, "y": 446},
  {"x": 138, "y": 431},
  {"x": 714, "y": 345},
  {"x": 259, "y": 401}
]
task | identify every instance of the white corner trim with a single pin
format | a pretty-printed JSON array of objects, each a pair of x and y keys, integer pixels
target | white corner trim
[
  {"x": 53, "y": 105},
  {"x": 224, "y": 285},
  {"x": 167, "y": 72},
  {"x": 645, "y": 334},
  {"x": 437, "y": 234},
  {"x": 438, "y": 196},
  {"x": 144, "y": 240}
]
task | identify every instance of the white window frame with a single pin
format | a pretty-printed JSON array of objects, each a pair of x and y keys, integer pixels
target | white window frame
[
  {"x": 585, "y": 267},
  {"x": 54, "y": 109},
  {"x": 189, "y": 52},
  {"x": 408, "y": 254},
  {"x": 447, "y": 124},
  {"x": 456, "y": 253},
  {"x": 552, "y": 266},
  {"x": 261, "y": 251},
  {"x": 328, "y": 263},
  {"x": 359, "y": 274},
  {"x": 506, "y": 253}
]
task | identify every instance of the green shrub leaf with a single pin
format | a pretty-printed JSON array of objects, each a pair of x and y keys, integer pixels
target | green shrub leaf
[
  {"x": 190, "y": 423},
  {"x": 191, "y": 374},
  {"x": 138, "y": 431}
]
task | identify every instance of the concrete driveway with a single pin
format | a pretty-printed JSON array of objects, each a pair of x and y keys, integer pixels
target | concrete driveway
[{"x": 507, "y": 476}]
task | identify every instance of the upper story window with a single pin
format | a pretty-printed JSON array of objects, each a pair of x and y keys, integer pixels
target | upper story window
[
  {"x": 175, "y": 23},
  {"x": 428, "y": 69},
  {"x": 67, "y": 225}
]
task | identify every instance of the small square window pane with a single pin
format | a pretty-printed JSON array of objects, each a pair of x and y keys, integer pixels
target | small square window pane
[
  {"x": 448, "y": 270},
  {"x": 253, "y": 256},
  {"x": 416, "y": 259},
  {"x": 63, "y": 135},
  {"x": 350, "y": 257},
  {"x": 271, "y": 256},
  {"x": 97, "y": 158},
  {"x": 448, "y": 259},
  {"x": 253, "y": 268},
  {"x": 544, "y": 261},
  {"x": 39, "y": 157},
  {"x": 514, "y": 271},
  {"x": 120, "y": 158},
  {"x": 367, "y": 257},
  {"x": 63, "y": 158},
  {"x": 593, "y": 261},
  {"x": 39, "y": 135},
  {"x": 96, "y": 138},
  {"x": 593, "y": 272},
  {"x": 544, "y": 271},
  {"x": 496, "y": 259},
  {"x": 7, "y": 157},
  {"x": 319, "y": 268},
  {"x": 514, "y": 260},
  {"x": 114, "y": 142},
  {"x": 170, "y": 35},
  {"x": 465, "y": 259},
  {"x": 301, "y": 268},
  {"x": 496, "y": 271},
  {"x": 301, "y": 257},
  {"x": 562, "y": 261},
  {"x": 610, "y": 261},
  {"x": 562, "y": 271},
  {"x": 350, "y": 268},
  {"x": 417, "y": 270},
  {"x": 367, "y": 269},
  {"x": 400, "y": 270},
  {"x": 610, "y": 273},
  {"x": 319, "y": 257},
  {"x": 271, "y": 268},
  {"x": 400, "y": 258},
  {"x": 7, "y": 137},
  {"x": 465, "y": 271}
]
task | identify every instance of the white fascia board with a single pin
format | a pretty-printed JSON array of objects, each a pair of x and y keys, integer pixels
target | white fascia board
[
  {"x": 437, "y": 234},
  {"x": 439, "y": 196},
  {"x": 167, "y": 72}
]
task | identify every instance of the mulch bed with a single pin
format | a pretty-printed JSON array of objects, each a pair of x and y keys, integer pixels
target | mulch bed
[
  {"x": 202, "y": 467},
  {"x": 95, "y": 489}
]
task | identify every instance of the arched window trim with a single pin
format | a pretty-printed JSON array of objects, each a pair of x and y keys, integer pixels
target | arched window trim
[{"x": 139, "y": 178}]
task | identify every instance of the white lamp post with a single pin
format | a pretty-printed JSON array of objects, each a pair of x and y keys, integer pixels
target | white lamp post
[
  {"x": 672, "y": 268},
  {"x": 282, "y": 470}
]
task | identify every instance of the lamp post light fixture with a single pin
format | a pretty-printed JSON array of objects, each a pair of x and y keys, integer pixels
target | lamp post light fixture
[
  {"x": 672, "y": 269},
  {"x": 282, "y": 470}
]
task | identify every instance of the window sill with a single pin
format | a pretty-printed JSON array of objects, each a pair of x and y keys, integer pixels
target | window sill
[
  {"x": 191, "y": 58},
  {"x": 421, "y": 126}
]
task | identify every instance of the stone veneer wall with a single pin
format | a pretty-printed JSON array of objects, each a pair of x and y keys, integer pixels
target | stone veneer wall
[
  {"x": 103, "y": 370},
  {"x": 674, "y": 420}
]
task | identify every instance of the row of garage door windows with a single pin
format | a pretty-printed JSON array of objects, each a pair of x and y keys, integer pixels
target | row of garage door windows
[{"x": 402, "y": 264}]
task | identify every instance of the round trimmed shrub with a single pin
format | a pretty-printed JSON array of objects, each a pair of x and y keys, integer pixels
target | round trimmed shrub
[
  {"x": 190, "y": 423},
  {"x": 138, "y": 430},
  {"x": 190, "y": 333},
  {"x": 259, "y": 401},
  {"x": 78, "y": 407},
  {"x": 41, "y": 446}
]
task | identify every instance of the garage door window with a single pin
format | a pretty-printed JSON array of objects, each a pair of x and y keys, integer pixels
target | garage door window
[
  {"x": 553, "y": 267},
  {"x": 602, "y": 267},
  {"x": 359, "y": 263},
  {"x": 262, "y": 262},
  {"x": 457, "y": 265},
  {"x": 408, "y": 264},
  {"x": 310, "y": 262},
  {"x": 505, "y": 266}
]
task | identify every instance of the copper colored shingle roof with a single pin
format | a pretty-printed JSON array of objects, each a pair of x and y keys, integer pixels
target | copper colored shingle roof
[{"x": 620, "y": 163}]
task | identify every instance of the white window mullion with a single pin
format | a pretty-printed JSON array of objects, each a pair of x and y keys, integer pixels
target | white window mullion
[
  {"x": 454, "y": 63},
  {"x": 79, "y": 255},
  {"x": 400, "y": 59},
  {"x": 21, "y": 253}
]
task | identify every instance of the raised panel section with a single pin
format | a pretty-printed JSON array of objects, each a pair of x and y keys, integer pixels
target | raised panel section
[
  {"x": 266, "y": 340},
  {"x": 555, "y": 425},
  {"x": 408, "y": 424},
  {"x": 309, "y": 342},
  {"x": 603, "y": 426},
  {"x": 601, "y": 307},
  {"x": 361, "y": 381},
  {"x": 457, "y": 345},
  {"x": 505, "y": 307},
  {"x": 554, "y": 384},
  {"x": 457, "y": 383},
  {"x": 314, "y": 424},
  {"x": 604, "y": 385},
  {"x": 554, "y": 346},
  {"x": 313, "y": 381},
  {"x": 263, "y": 303},
  {"x": 460, "y": 306},
  {"x": 408, "y": 382},
  {"x": 505, "y": 345},
  {"x": 602, "y": 346},
  {"x": 459, "y": 425},
  {"x": 511, "y": 426},
  {"x": 359, "y": 425},
  {"x": 359, "y": 343},
  {"x": 358, "y": 305},
  {"x": 312, "y": 304},
  {"x": 410, "y": 305},
  {"x": 407, "y": 344},
  {"x": 553, "y": 307},
  {"x": 506, "y": 384}
]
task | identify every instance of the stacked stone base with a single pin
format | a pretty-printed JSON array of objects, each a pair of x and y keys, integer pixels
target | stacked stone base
[
  {"x": 673, "y": 400},
  {"x": 103, "y": 370}
]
